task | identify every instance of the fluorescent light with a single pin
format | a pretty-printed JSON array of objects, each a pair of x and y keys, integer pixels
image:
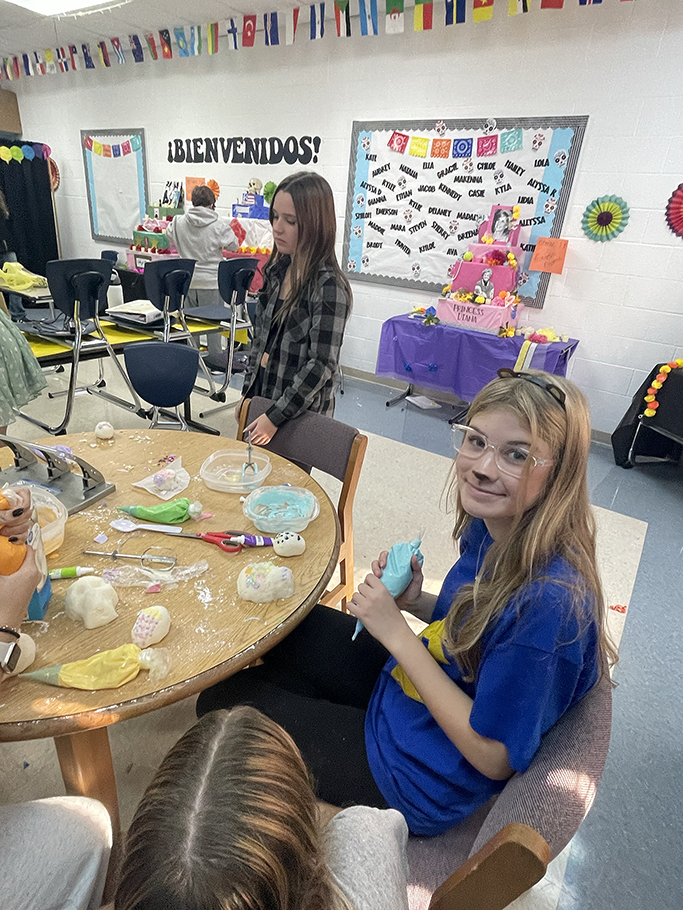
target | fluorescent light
[{"x": 63, "y": 7}]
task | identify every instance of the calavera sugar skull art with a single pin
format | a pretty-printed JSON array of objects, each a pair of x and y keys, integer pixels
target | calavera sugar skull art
[
  {"x": 499, "y": 177},
  {"x": 365, "y": 262},
  {"x": 489, "y": 126},
  {"x": 453, "y": 227},
  {"x": 360, "y": 200},
  {"x": 415, "y": 269},
  {"x": 537, "y": 141},
  {"x": 365, "y": 143},
  {"x": 468, "y": 165},
  {"x": 401, "y": 182},
  {"x": 561, "y": 158},
  {"x": 408, "y": 215},
  {"x": 440, "y": 127},
  {"x": 357, "y": 230},
  {"x": 351, "y": 265},
  {"x": 550, "y": 205}
]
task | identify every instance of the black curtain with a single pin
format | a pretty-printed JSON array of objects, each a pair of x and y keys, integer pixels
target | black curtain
[{"x": 30, "y": 229}]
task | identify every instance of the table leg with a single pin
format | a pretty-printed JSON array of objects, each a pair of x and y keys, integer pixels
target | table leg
[
  {"x": 87, "y": 770},
  {"x": 392, "y": 401}
]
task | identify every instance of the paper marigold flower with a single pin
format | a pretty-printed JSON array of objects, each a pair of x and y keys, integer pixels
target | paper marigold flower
[
  {"x": 605, "y": 218},
  {"x": 648, "y": 412},
  {"x": 649, "y": 398}
]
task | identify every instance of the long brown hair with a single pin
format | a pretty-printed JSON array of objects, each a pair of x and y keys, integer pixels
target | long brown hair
[
  {"x": 559, "y": 523},
  {"x": 314, "y": 205},
  {"x": 228, "y": 823}
]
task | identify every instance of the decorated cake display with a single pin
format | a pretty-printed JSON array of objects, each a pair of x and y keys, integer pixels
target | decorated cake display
[
  {"x": 151, "y": 235},
  {"x": 482, "y": 294}
]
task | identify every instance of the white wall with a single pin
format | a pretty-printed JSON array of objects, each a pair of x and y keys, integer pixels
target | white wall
[{"x": 619, "y": 63}]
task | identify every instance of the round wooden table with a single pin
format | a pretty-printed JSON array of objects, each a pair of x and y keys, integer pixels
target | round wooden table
[{"x": 213, "y": 632}]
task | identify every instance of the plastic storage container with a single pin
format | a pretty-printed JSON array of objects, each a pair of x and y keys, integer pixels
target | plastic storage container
[
  {"x": 283, "y": 508},
  {"x": 223, "y": 471},
  {"x": 52, "y": 516}
]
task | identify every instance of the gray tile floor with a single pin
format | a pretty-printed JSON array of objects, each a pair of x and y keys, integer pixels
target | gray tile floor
[{"x": 627, "y": 854}]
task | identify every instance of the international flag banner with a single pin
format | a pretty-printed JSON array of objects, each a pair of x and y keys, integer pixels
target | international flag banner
[
  {"x": 118, "y": 50},
  {"x": 151, "y": 45},
  {"x": 317, "y": 20},
  {"x": 88, "y": 142},
  {"x": 367, "y": 11},
  {"x": 552, "y": 4},
  {"x": 39, "y": 63},
  {"x": 212, "y": 38},
  {"x": 271, "y": 29},
  {"x": 136, "y": 49},
  {"x": 232, "y": 32},
  {"x": 394, "y": 21},
  {"x": 460, "y": 11},
  {"x": 97, "y": 146},
  {"x": 7, "y": 69},
  {"x": 116, "y": 151},
  {"x": 515, "y": 7},
  {"x": 342, "y": 18},
  {"x": 62, "y": 60},
  {"x": 482, "y": 10},
  {"x": 291, "y": 19},
  {"x": 104, "y": 55},
  {"x": 195, "y": 42},
  {"x": 106, "y": 151},
  {"x": 165, "y": 42},
  {"x": 27, "y": 65},
  {"x": 125, "y": 147},
  {"x": 588, "y": 2},
  {"x": 181, "y": 41},
  {"x": 73, "y": 54},
  {"x": 422, "y": 15},
  {"x": 87, "y": 58},
  {"x": 50, "y": 62},
  {"x": 248, "y": 30},
  {"x": 16, "y": 67}
]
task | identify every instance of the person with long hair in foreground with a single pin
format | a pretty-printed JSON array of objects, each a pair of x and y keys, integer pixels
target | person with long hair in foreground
[
  {"x": 230, "y": 822},
  {"x": 302, "y": 310},
  {"x": 433, "y": 725}
]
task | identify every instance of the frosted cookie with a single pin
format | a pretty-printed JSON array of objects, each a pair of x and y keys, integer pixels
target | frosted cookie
[{"x": 262, "y": 582}]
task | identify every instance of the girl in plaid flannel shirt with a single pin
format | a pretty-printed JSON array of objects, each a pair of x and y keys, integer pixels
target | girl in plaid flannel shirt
[{"x": 302, "y": 310}]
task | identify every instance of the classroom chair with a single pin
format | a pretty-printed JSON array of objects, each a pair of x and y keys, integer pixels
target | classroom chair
[
  {"x": 79, "y": 290},
  {"x": 163, "y": 374},
  {"x": 498, "y": 853},
  {"x": 315, "y": 441},
  {"x": 234, "y": 278}
]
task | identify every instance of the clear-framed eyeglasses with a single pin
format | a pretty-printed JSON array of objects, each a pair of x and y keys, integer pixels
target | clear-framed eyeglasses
[{"x": 511, "y": 459}]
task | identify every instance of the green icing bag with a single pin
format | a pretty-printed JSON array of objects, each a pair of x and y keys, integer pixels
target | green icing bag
[{"x": 173, "y": 512}]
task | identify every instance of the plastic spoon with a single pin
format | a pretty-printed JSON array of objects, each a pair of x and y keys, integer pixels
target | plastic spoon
[{"x": 125, "y": 524}]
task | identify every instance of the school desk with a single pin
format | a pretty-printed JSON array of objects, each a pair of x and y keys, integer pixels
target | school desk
[
  {"x": 213, "y": 633},
  {"x": 447, "y": 358}
]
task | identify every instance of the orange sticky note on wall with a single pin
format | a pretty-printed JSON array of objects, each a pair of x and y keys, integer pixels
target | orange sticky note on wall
[
  {"x": 191, "y": 183},
  {"x": 549, "y": 255}
]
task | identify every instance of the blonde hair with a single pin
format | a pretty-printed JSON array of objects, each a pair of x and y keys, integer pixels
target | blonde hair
[
  {"x": 559, "y": 523},
  {"x": 228, "y": 823},
  {"x": 317, "y": 223}
]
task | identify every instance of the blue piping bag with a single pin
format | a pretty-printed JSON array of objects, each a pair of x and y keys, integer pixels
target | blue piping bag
[{"x": 397, "y": 575}]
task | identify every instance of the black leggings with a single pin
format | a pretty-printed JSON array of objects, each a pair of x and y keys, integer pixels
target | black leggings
[{"x": 317, "y": 683}]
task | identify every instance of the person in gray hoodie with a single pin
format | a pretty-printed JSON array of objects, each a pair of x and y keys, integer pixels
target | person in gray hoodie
[{"x": 202, "y": 235}]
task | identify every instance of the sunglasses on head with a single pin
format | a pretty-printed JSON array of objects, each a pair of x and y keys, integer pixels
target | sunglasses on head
[{"x": 554, "y": 390}]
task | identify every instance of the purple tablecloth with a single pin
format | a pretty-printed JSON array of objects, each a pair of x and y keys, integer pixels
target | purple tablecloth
[{"x": 457, "y": 360}]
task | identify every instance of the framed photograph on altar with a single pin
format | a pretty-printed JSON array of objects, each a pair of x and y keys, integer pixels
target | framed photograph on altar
[
  {"x": 421, "y": 191},
  {"x": 116, "y": 181}
]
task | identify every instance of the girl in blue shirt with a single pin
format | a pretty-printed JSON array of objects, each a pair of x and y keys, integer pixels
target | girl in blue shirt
[{"x": 434, "y": 725}]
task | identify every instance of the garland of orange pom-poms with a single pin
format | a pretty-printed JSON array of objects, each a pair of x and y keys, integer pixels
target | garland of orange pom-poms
[{"x": 657, "y": 382}]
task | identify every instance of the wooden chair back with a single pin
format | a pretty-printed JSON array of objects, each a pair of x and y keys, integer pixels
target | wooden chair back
[{"x": 315, "y": 441}]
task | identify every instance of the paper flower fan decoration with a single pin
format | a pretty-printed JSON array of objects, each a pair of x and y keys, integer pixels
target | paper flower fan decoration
[
  {"x": 604, "y": 218},
  {"x": 213, "y": 186},
  {"x": 674, "y": 211}
]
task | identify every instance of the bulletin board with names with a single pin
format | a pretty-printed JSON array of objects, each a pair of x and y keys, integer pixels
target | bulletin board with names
[{"x": 418, "y": 191}]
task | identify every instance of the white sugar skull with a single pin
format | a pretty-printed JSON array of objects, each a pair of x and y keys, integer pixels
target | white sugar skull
[
  {"x": 561, "y": 158},
  {"x": 440, "y": 127},
  {"x": 468, "y": 165},
  {"x": 255, "y": 186},
  {"x": 452, "y": 268},
  {"x": 401, "y": 182},
  {"x": 537, "y": 141},
  {"x": 415, "y": 268},
  {"x": 360, "y": 200},
  {"x": 365, "y": 261},
  {"x": 365, "y": 143},
  {"x": 523, "y": 278},
  {"x": 351, "y": 265},
  {"x": 357, "y": 230},
  {"x": 489, "y": 126},
  {"x": 453, "y": 226},
  {"x": 408, "y": 215},
  {"x": 550, "y": 205},
  {"x": 499, "y": 177}
]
